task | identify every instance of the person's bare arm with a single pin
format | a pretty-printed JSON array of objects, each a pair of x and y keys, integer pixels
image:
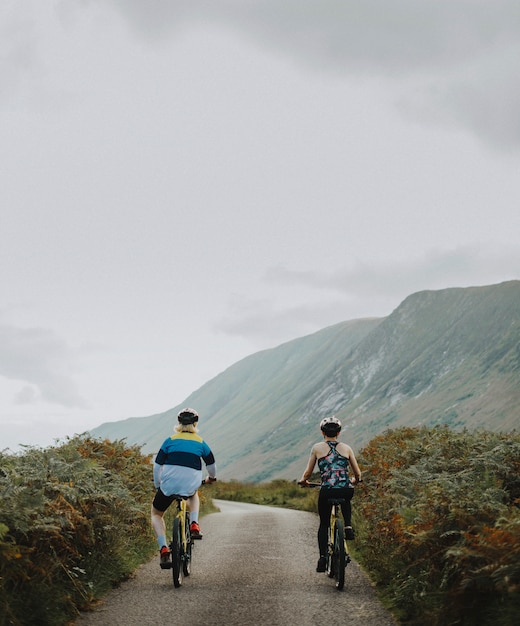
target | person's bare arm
[{"x": 355, "y": 467}]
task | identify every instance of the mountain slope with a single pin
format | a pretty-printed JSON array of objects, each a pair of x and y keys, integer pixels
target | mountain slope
[
  {"x": 442, "y": 357},
  {"x": 254, "y": 393}
]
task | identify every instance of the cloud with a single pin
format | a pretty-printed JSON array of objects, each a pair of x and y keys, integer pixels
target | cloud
[
  {"x": 266, "y": 324},
  {"x": 318, "y": 299},
  {"x": 452, "y": 61},
  {"x": 347, "y": 33},
  {"x": 18, "y": 52},
  {"x": 41, "y": 360},
  {"x": 482, "y": 96},
  {"x": 435, "y": 270}
]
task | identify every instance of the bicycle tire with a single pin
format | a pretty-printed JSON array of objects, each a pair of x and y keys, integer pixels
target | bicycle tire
[
  {"x": 186, "y": 556},
  {"x": 177, "y": 553},
  {"x": 338, "y": 555},
  {"x": 330, "y": 557}
]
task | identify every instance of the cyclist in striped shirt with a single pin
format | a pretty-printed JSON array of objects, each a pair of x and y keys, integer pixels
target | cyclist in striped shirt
[{"x": 178, "y": 471}]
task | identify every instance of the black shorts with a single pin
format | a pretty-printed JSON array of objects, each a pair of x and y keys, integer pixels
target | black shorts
[
  {"x": 334, "y": 493},
  {"x": 161, "y": 502}
]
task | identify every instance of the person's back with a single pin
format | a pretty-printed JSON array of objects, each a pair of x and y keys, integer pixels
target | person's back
[
  {"x": 179, "y": 463},
  {"x": 334, "y": 465},
  {"x": 177, "y": 471}
]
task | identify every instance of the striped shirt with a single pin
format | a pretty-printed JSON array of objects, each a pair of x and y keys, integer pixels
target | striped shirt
[{"x": 178, "y": 464}]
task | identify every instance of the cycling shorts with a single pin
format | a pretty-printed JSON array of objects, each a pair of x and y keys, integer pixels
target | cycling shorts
[{"x": 161, "y": 501}]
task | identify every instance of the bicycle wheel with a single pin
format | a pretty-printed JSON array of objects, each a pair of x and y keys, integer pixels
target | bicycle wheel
[
  {"x": 177, "y": 552},
  {"x": 186, "y": 557},
  {"x": 338, "y": 555},
  {"x": 330, "y": 554}
]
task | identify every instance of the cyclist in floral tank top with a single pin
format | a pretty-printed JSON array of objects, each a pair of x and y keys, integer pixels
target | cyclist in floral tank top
[{"x": 334, "y": 459}]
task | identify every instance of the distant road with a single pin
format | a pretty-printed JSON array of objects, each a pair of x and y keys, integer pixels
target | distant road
[{"x": 255, "y": 565}]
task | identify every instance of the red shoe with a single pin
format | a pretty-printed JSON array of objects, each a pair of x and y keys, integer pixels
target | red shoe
[
  {"x": 195, "y": 531},
  {"x": 165, "y": 561}
]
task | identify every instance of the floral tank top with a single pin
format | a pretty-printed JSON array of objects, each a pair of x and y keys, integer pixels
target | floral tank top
[{"x": 334, "y": 468}]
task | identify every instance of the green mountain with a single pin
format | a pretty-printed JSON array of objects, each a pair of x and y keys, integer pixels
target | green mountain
[{"x": 442, "y": 357}]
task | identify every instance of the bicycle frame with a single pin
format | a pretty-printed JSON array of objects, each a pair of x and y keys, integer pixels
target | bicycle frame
[
  {"x": 337, "y": 555},
  {"x": 181, "y": 544}
]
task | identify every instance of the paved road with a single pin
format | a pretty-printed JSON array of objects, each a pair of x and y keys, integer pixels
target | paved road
[{"x": 255, "y": 565}]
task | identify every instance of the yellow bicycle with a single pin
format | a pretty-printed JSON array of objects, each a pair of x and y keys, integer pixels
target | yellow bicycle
[
  {"x": 181, "y": 544},
  {"x": 337, "y": 554},
  {"x": 338, "y": 557}
]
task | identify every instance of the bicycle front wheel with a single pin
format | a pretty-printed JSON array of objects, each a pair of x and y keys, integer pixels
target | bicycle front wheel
[
  {"x": 338, "y": 555},
  {"x": 177, "y": 552}
]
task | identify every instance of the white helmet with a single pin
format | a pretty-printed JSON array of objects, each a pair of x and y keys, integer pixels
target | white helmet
[
  {"x": 330, "y": 425},
  {"x": 188, "y": 416}
]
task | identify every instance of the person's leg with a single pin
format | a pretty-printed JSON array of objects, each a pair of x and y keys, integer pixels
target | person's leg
[
  {"x": 159, "y": 526},
  {"x": 324, "y": 508},
  {"x": 159, "y": 505},
  {"x": 193, "y": 507},
  {"x": 346, "y": 509}
]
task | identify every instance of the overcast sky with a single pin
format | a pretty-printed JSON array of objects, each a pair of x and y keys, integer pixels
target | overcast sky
[{"x": 186, "y": 183}]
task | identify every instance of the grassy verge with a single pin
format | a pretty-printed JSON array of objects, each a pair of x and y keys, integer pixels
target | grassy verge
[{"x": 282, "y": 493}]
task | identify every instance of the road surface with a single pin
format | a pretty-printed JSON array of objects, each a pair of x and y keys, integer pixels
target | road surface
[{"x": 255, "y": 565}]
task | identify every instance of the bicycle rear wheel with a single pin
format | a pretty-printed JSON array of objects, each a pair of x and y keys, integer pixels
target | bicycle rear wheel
[
  {"x": 186, "y": 556},
  {"x": 177, "y": 552},
  {"x": 338, "y": 556}
]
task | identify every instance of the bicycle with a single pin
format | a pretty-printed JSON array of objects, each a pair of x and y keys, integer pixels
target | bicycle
[
  {"x": 181, "y": 545},
  {"x": 338, "y": 556}
]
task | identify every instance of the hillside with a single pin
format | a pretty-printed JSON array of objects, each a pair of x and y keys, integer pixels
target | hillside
[{"x": 442, "y": 357}]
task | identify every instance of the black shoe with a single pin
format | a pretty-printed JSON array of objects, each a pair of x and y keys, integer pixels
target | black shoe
[
  {"x": 322, "y": 564},
  {"x": 349, "y": 533},
  {"x": 165, "y": 561}
]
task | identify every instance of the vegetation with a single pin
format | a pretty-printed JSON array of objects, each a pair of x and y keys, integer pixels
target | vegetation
[
  {"x": 278, "y": 492},
  {"x": 74, "y": 520},
  {"x": 437, "y": 523}
]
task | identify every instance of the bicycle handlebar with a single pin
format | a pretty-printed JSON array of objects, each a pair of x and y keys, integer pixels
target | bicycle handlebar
[{"x": 307, "y": 484}]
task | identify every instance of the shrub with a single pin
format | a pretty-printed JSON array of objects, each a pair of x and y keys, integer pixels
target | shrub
[
  {"x": 74, "y": 520},
  {"x": 439, "y": 524}
]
